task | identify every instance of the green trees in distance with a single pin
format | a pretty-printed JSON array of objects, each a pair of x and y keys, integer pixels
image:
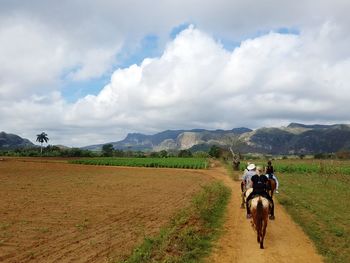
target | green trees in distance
[
  {"x": 107, "y": 150},
  {"x": 42, "y": 137},
  {"x": 163, "y": 154},
  {"x": 215, "y": 151},
  {"x": 184, "y": 153}
]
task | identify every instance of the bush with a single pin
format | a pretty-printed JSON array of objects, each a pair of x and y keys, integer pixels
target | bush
[
  {"x": 185, "y": 153},
  {"x": 215, "y": 151},
  {"x": 107, "y": 150}
]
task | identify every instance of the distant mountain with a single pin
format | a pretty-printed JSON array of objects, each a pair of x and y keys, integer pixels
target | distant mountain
[
  {"x": 12, "y": 141},
  {"x": 296, "y": 138},
  {"x": 313, "y": 126}
]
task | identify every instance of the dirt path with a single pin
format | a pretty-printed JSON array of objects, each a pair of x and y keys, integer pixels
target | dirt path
[{"x": 284, "y": 241}]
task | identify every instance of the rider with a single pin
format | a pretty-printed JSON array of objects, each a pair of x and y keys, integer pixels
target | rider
[
  {"x": 259, "y": 188},
  {"x": 246, "y": 179},
  {"x": 270, "y": 173}
]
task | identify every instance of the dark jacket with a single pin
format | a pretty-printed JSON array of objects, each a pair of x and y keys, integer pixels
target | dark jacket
[
  {"x": 259, "y": 183},
  {"x": 269, "y": 169}
]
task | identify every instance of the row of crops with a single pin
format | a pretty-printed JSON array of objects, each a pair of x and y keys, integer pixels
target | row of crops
[
  {"x": 184, "y": 163},
  {"x": 308, "y": 167},
  {"x": 320, "y": 168}
]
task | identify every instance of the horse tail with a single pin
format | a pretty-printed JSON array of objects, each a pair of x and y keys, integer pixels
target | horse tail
[{"x": 259, "y": 216}]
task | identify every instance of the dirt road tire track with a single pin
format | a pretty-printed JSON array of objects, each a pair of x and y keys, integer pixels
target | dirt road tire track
[{"x": 284, "y": 242}]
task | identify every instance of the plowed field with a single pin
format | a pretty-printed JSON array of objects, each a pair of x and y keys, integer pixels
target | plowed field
[{"x": 59, "y": 212}]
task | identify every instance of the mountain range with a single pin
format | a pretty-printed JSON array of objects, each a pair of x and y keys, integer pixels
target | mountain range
[{"x": 295, "y": 138}]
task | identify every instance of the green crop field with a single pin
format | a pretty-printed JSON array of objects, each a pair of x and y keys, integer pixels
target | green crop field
[
  {"x": 186, "y": 163},
  {"x": 308, "y": 166},
  {"x": 320, "y": 167}
]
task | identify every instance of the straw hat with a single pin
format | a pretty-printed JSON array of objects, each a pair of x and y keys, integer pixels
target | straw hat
[{"x": 251, "y": 167}]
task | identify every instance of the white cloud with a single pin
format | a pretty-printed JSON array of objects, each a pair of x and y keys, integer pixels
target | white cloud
[
  {"x": 29, "y": 59},
  {"x": 35, "y": 58},
  {"x": 41, "y": 41},
  {"x": 268, "y": 79},
  {"x": 198, "y": 83}
]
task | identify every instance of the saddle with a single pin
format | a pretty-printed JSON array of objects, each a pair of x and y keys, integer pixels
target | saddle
[{"x": 257, "y": 195}]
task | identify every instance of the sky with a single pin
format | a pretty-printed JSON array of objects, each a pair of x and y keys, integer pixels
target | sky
[{"x": 89, "y": 72}]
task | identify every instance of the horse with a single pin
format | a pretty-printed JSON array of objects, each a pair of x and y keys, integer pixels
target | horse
[
  {"x": 271, "y": 187},
  {"x": 259, "y": 207}
]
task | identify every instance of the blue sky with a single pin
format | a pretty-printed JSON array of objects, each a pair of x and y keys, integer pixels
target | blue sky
[
  {"x": 148, "y": 47},
  {"x": 95, "y": 70}
]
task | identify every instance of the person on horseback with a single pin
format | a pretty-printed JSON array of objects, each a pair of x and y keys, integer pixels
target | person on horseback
[
  {"x": 248, "y": 174},
  {"x": 270, "y": 173},
  {"x": 259, "y": 182}
]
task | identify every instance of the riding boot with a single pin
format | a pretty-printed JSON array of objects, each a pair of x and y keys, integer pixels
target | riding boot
[
  {"x": 272, "y": 210},
  {"x": 248, "y": 209}
]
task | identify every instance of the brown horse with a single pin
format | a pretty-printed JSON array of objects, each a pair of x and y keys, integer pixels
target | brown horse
[
  {"x": 271, "y": 187},
  {"x": 259, "y": 207}
]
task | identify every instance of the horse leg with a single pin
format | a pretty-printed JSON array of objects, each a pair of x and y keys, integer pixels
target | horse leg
[
  {"x": 243, "y": 201},
  {"x": 263, "y": 233},
  {"x": 262, "y": 236},
  {"x": 259, "y": 220},
  {"x": 273, "y": 187}
]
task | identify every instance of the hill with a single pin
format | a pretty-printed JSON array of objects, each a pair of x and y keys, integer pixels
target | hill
[
  {"x": 296, "y": 138},
  {"x": 174, "y": 139},
  {"x": 10, "y": 141}
]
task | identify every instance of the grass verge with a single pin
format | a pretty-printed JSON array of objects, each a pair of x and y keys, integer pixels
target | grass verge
[
  {"x": 189, "y": 236},
  {"x": 320, "y": 205}
]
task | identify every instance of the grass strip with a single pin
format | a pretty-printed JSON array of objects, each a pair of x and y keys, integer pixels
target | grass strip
[
  {"x": 189, "y": 236},
  {"x": 320, "y": 205}
]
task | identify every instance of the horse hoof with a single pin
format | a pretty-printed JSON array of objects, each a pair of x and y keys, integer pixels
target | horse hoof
[{"x": 272, "y": 217}]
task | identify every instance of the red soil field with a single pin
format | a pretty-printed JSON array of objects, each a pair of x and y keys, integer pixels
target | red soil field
[{"x": 51, "y": 211}]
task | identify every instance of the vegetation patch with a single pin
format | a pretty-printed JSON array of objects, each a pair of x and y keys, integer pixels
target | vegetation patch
[
  {"x": 186, "y": 163},
  {"x": 328, "y": 167},
  {"x": 189, "y": 236},
  {"x": 319, "y": 203}
]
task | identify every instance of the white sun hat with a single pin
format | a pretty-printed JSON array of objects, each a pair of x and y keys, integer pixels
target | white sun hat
[{"x": 251, "y": 166}]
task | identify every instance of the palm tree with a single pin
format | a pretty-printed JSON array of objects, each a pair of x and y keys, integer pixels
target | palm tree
[{"x": 42, "y": 137}]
